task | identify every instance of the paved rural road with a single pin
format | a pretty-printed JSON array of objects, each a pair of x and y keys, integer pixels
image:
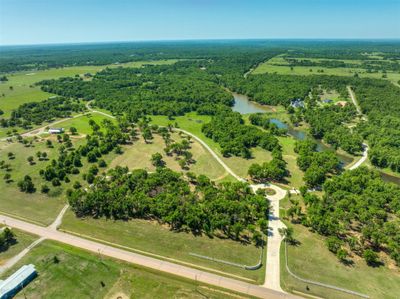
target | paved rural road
[
  {"x": 164, "y": 266},
  {"x": 57, "y": 223},
  {"x": 362, "y": 159},
  {"x": 364, "y": 117},
  {"x": 272, "y": 265}
]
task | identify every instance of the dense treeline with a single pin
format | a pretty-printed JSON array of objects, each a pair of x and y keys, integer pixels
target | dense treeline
[
  {"x": 327, "y": 123},
  {"x": 227, "y": 128},
  {"x": 271, "y": 89},
  {"x": 230, "y": 208},
  {"x": 380, "y": 101},
  {"x": 369, "y": 65},
  {"x": 16, "y": 58},
  {"x": 166, "y": 90},
  {"x": 35, "y": 113},
  {"x": 359, "y": 212},
  {"x": 261, "y": 120},
  {"x": 316, "y": 165},
  {"x": 40, "y": 57}
]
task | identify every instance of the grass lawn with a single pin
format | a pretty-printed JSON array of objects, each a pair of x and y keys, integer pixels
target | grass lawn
[
  {"x": 192, "y": 123},
  {"x": 331, "y": 95},
  {"x": 21, "y": 91},
  {"x": 312, "y": 260},
  {"x": 23, "y": 240},
  {"x": 296, "y": 175},
  {"x": 82, "y": 123},
  {"x": 80, "y": 274},
  {"x": 280, "y": 66},
  {"x": 158, "y": 239},
  {"x": 37, "y": 207},
  {"x": 139, "y": 154}
]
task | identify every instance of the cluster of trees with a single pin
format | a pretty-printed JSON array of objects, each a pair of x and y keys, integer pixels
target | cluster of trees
[
  {"x": 26, "y": 185},
  {"x": 104, "y": 139},
  {"x": 327, "y": 123},
  {"x": 31, "y": 58},
  {"x": 7, "y": 238},
  {"x": 370, "y": 66},
  {"x": 274, "y": 170},
  {"x": 358, "y": 212},
  {"x": 35, "y": 113},
  {"x": 227, "y": 128},
  {"x": 181, "y": 150},
  {"x": 316, "y": 165},
  {"x": 380, "y": 101},
  {"x": 200, "y": 206},
  {"x": 160, "y": 90},
  {"x": 261, "y": 120},
  {"x": 271, "y": 89}
]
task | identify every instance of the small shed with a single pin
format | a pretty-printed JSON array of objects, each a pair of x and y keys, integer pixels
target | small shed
[
  {"x": 56, "y": 130},
  {"x": 327, "y": 101},
  {"x": 13, "y": 284}
]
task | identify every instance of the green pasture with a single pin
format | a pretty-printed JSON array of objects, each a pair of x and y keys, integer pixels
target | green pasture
[
  {"x": 23, "y": 89},
  {"x": 39, "y": 207},
  {"x": 280, "y": 66},
  {"x": 192, "y": 123},
  {"x": 22, "y": 240},
  {"x": 312, "y": 260},
  {"x": 65, "y": 271},
  {"x": 152, "y": 237},
  {"x": 138, "y": 155}
]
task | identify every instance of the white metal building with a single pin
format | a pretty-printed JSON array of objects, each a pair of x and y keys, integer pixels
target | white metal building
[{"x": 19, "y": 279}]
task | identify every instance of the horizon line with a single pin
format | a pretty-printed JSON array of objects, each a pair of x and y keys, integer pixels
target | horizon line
[{"x": 371, "y": 39}]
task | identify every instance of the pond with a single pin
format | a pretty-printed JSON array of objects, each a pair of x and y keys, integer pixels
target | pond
[{"x": 244, "y": 106}]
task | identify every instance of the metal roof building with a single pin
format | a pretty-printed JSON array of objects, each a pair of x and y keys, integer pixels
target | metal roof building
[
  {"x": 14, "y": 283},
  {"x": 56, "y": 130}
]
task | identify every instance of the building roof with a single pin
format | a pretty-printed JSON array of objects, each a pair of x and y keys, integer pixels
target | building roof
[
  {"x": 17, "y": 279},
  {"x": 296, "y": 103}
]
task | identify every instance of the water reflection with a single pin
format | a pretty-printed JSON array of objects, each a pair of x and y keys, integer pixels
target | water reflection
[{"x": 244, "y": 106}]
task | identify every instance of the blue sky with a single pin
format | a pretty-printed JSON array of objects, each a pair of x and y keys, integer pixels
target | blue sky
[{"x": 63, "y": 21}]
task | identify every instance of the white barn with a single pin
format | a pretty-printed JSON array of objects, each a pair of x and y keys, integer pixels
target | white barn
[{"x": 56, "y": 130}]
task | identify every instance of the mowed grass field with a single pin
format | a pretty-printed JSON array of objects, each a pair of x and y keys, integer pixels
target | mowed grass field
[
  {"x": 68, "y": 272},
  {"x": 38, "y": 207},
  {"x": 192, "y": 123},
  {"x": 151, "y": 237},
  {"x": 82, "y": 123},
  {"x": 23, "y": 240},
  {"x": 139, "y": 154},
  {"x": 280, "y": 66},
  {"x": 295, "y": 178},
  {"x": 312, "y": 260},
  {"x": 22, "y": 83}
]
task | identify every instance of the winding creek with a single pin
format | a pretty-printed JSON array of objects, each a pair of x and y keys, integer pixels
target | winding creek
[{"x": 244, "y": 106}]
